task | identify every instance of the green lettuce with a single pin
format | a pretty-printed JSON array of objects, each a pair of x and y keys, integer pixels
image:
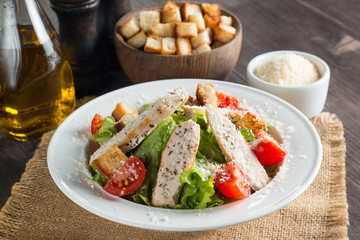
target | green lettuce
[
  {"x": 247, "y": 134},
  {"x": 149, "y": 151},
  {"x": 197, "y": 193},
  {"x": 106, "y": 131},
  {"x": 98, "y": 177}
]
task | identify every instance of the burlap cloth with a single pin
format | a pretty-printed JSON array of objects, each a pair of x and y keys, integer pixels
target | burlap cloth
[{"x": 37, "y": 209}]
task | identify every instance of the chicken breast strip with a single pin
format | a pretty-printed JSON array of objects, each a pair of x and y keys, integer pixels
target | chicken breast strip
[
  {"x": 134, "y": 132},
  {"x": 235, "y": 148},
  {"x": 178, "y": 155}
]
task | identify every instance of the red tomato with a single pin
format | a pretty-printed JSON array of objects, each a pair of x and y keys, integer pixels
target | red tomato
[
  {"x": 227, "y": 101},
  {"x": 127, "y": 179},
  {"x": 268, "y": 150},
  {"x": 231, "y": 182},
  {"x": 96, "y": 123}
]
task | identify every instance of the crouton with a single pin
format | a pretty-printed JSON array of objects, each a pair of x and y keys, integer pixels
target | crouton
[
  {"x": 170, "y": 13},
  {"x": 183, "y": 46},
  {"x": 126, "y": 119},
  {"x": 198, "y": 19},
  {"x": 168, "y": 46},
  {"x": 130, "y": 28},
  {"x": 186, "y": 30},
  {"x": 170, "y": 5},
  {"x": 202, "y": 48},
  {"x": 147, "y": 18},
  {"x": 189, "y": 9},
  {"x": 206, "y": 95},
  {"x": 227, "y": 20},
  {"x": 224, "y": 33},
  {"x": 203, "y": 37},
  {"x": 110, "y": 161},
  {"x": 137, "y": 41},
  {"x": 122, "y": 108},
  {"x": 153, "y": 44},
  {"x": 211, "y": 21},
  {"x": 211, "y": 9},
  {"x": 163, "y": 29},
  {"x": 250, "y": 121}
]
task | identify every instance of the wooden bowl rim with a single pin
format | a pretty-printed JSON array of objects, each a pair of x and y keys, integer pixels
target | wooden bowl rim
[{"x": 119, "y": 38}]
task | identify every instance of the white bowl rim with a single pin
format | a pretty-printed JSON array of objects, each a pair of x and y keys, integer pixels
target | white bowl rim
[{"x": 325, "y": 76}]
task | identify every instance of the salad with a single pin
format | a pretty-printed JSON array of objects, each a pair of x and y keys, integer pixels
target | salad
[{"x": 184, "y": 152}]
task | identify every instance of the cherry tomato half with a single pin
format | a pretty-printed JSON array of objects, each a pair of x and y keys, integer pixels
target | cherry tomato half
[
  {"x": 231, "y": 182},
  {"x": 96, "y": 123},
  {"x": 268, "y": 150},
  {"x": 227, "y": 101},
  {"x": 127, "y": 179}
]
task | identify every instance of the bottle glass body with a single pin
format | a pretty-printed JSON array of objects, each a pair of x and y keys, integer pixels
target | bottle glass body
[{"x": 36, "y": 82}]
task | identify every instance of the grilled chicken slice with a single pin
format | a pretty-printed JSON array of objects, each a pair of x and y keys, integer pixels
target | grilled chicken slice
[
  {"x": 233, "y": 115},
  {"x": 178, "y": 155},
  {"x": 134, "y": 132},
  {"x": 235, "y": 148}
]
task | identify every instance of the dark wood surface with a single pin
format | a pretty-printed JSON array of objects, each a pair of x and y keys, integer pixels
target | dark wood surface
[{"x": 329, "y": 29}]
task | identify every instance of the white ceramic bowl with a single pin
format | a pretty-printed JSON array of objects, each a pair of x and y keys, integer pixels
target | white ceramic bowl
[
  {"x": 68, "y": 159},
  {"x": 309, "y": 99}
]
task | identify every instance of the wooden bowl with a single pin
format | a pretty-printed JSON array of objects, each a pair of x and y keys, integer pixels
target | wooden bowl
[{"x": 141, "y": 66}]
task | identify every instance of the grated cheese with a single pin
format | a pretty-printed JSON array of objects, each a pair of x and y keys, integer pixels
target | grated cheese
[{"x": 288, "y": 69}]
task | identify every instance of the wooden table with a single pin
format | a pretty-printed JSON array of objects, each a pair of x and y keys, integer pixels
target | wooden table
[{"x": 327, "y": 28}]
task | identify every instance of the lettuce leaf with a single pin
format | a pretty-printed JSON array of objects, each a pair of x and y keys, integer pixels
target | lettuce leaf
[
  {"x": 209, "y": 147},
  {"x": 106, "y": 131},
  {"x": 98, "y": 177},
  {"x": 248, "y": 134},
  {"x": 197, "y": 193},
  {"x": 149, "y": 151}
]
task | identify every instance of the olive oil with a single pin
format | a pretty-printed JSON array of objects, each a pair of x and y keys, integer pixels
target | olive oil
[{"x": 36, "y": 85}]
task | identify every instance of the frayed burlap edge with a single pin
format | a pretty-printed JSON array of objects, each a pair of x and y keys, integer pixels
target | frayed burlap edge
[
  {"x": 338, "y": 218},
  {"x": 11, "y": 212},
  {"x": 21, "y": 193},
  {"x": 11, "y": 215}
]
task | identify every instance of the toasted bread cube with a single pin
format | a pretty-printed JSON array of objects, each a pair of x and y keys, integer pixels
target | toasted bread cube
[
  {"x": 227, "y": 20},
  {"x": 171, "y": 15},
  {"x": 206, "y": 95},
  {"x": 147, "y": 18},
  {"x": 123, "y": 108},
  {"x": 163, "y": 29},
  {"x": 153, "y": 44},
  {"x": 110, "y": 161},
  {"x": 251, "y": 121},
  {"x": 170, "y": 5},
  {"x": 183, "y": 46},
  {"x": 189, "y": 9},
  {"x": 216, "y": 44},
  {"x": 224, "y": 33},
  {"x": 203, "y": 37},
  {"x": 186, "y": 30},
  {"x": 211, "y": 21},
  {"x": 211, "y": 9},
  {"x": 168, "y": 46},
  {"x": 202, "y": 48},
  {"x": 126, "y": 119},
  {"x": 198, "y": 19},
  {"x": 137, "y": 41},
  {"x": 130, "y": 28}
]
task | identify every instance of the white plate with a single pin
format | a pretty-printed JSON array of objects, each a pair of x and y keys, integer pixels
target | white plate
[{"x": 67, "y": 157}]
